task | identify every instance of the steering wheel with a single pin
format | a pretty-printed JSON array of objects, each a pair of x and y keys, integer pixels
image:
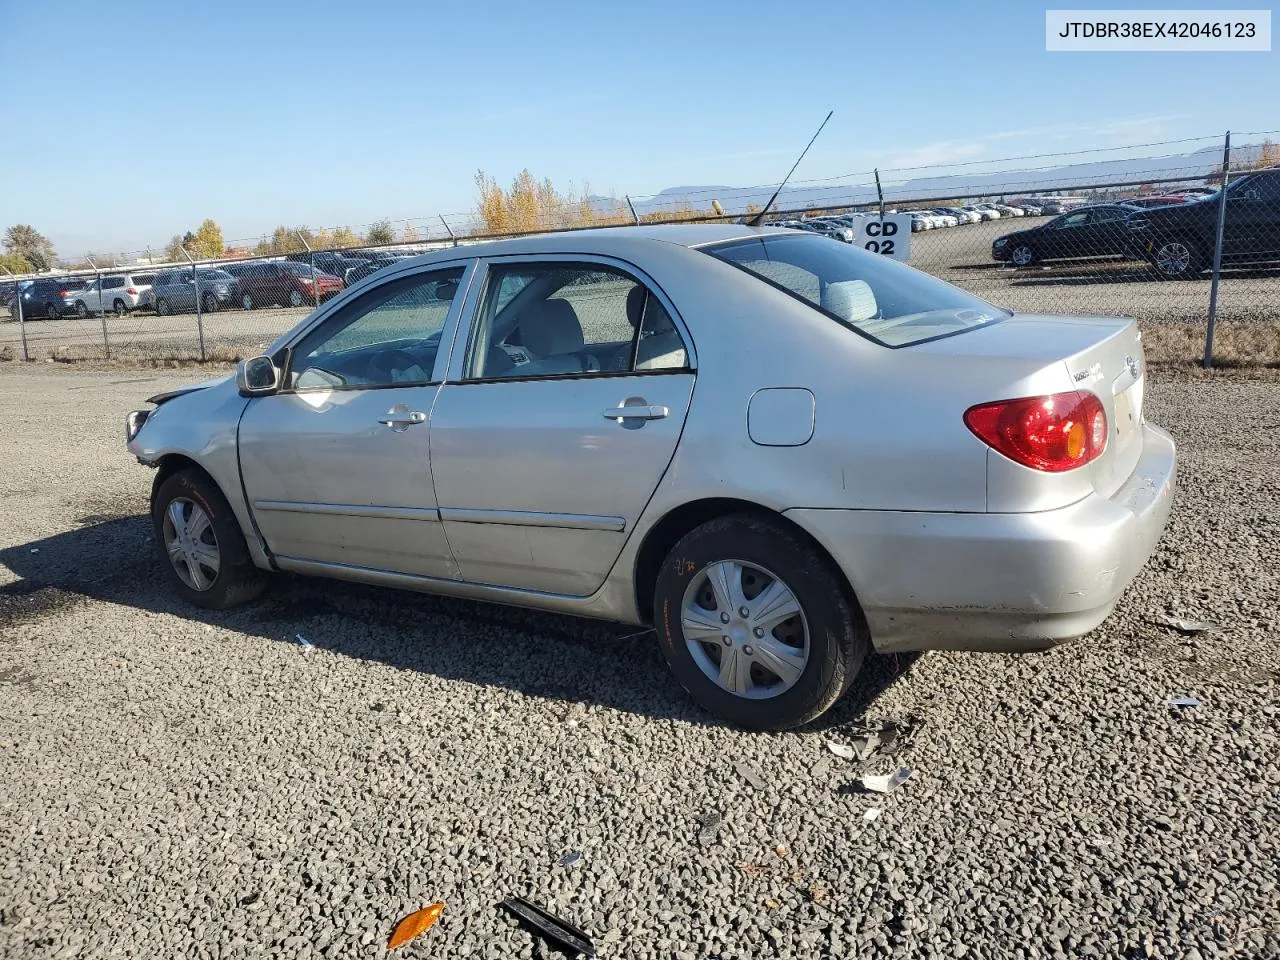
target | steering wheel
[{"x": 383, "y": 365}]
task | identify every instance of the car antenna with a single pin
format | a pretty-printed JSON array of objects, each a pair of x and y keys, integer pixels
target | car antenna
[{"x": 758, "y": 219}]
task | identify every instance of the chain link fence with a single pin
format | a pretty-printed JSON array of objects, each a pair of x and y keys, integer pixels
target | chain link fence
[{"x": 1171, "y": 248}]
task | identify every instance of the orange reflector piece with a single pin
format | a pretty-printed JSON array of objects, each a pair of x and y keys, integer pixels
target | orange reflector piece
[
  {"x": 1075, "y": 440},
  {"x": 415, "y": 924}
]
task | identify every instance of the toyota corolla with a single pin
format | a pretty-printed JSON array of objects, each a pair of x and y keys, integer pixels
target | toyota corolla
[{"x": 779, "y": 451}]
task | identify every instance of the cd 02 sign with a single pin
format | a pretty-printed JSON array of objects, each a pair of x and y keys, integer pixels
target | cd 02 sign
[{"x": 889, "y": 236}]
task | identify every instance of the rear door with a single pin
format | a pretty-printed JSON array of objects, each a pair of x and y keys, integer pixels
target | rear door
[
  {"x": 561, "y": 412},
  {"x": 1106, "y": 232}
]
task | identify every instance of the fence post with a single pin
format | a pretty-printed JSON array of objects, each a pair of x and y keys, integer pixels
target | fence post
[
  {"x": 452, "y": 236},
  {"x": 880, "y": 193},
  {"x": 634, "y": 216},
  {"x": 195, "y": 280},
  {"x": 22, "y": 325},
  {"x": 1217, "y": 253},
  {"x": 102, "y": 314},
  {"x": 315, "y": 287}
]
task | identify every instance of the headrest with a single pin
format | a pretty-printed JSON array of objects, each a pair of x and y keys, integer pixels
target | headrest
[
  {"x": 550, "y": 327},
  {"x": 850, "y": 300}
]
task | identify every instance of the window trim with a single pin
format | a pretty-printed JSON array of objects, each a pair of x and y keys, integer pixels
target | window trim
[
  {"x": 434, "y": 378},
  {"x": 461, "y": 350}
]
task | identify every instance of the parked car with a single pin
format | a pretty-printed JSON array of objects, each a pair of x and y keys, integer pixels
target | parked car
[
  {"x": 984, "y": 213},
  {"x": 961, "y": 215},
  {"x": 1096, "y": 231},
  {"x": 282, "y": 282},
  {"x": 334, "y": 264},
  {"x": 1003, "y": 209},
  {"x": 1150, "y": 201},
  {"x": 1030, "y": 207},
  {"x": 872, "y": 458},
  {"x": 1178, "y": 240},
  {"x": 45, "y": 298},
  {"x": 836, "y": 231},
  {"x": 120, "y": 293},
  {"x": 175, "y": 291}
]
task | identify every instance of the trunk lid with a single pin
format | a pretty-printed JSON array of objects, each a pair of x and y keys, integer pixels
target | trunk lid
[{"x": 1102, "y": 355}]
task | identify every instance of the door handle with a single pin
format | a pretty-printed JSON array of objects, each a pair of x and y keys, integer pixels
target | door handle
[
  {"x": 636, "y": 411},
  {"x": 399, "y": 419}
]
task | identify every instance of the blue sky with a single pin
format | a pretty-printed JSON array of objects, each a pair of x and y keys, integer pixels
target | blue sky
[{"x": 138, "y": 119}]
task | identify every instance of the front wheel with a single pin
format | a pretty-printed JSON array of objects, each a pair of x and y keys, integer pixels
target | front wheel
[
  {"x": 201, "y": 546},
  {"x": 295, "y": 298},
  {"x": 1023, "y": 255},
  {"x": 162, "y": 307},
  {"x": 210, "y": 303},
  {"x": 755, "y": 624},
  {"x": 1177, "y": 259},
  {"x": 246, "y": 302}
]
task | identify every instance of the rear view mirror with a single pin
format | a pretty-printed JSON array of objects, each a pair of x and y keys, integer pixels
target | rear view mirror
[{"x": 257, "y": 377}]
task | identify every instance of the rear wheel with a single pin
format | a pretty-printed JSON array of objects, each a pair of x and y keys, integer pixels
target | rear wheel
[
  {"x": 203, "y": 551},
  {"x": 51, "y": 311},
  {"x": 1023, "y": 255},
  {"x": 210, "y": 303},
  {"x": 246, "y": 302},
  {"x": 1177, "y": 259},
  {"x": 119, "y": 307},
  {"x": 755, "y": 625},
  {"x": 82, "y": 311},
  {"x": 295, "y": 298},
  {"x": 162, "y": 307}
]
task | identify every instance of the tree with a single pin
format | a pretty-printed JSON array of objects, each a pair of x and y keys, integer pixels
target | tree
[
  {"x": 173, "y": 250},
  {"x": 530, "y": 205},
  {"x": 380, "y": 232},
  {"x": 14, "y": 263},
  {"x": 32, "y": 246},
  {"x": 344, "y": 237},
  {"x": 207, "y": 241}
]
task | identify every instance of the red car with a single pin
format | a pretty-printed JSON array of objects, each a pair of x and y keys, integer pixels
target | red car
[{"x": 284, "y": 282}]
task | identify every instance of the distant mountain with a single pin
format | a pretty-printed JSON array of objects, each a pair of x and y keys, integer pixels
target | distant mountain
[{"x": 1004, "y": 183}]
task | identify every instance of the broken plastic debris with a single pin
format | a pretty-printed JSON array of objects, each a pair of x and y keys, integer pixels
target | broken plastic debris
[
  {"x": 842, "y": 750},
  {"x": 864, "y": 747},
  {"x": 415, "y": 924},
  {"x": 1182, "y": 702},
  {"x": 709, "y": 826},
  {"x": 570, "y": 858},
  {"x": 550, "y": 926},
  {"x": 750, "y": 775},
  {"x": 1183, "y": 625},
  {"x": 305, "y": 643},
  {"x": 887, "y": 783},
  {"x": 871, "y": 815},
  {"x": 35, "y": 549}
]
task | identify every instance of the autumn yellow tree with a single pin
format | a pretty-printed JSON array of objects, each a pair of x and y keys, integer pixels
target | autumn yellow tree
[
  {"x": 208, "y": 242},
  {"x": 529, "y": 205}
]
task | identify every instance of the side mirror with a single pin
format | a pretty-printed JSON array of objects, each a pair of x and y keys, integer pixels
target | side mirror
[{"x": 257, "y": 377}]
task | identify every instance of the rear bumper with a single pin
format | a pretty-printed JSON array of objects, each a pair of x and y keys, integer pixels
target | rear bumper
[{"x": 1012, "y": 581}]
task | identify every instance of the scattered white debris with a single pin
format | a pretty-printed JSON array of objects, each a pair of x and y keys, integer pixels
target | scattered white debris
[
  {"x": 1183, "y": 701},
  {"x": 305, "y": 643},
  {"x": 872, "y": 814},
  {"x": 887, "y": 783},
  {"x": 1183, "y": 625},
  {"x": 842, "y": 750}
]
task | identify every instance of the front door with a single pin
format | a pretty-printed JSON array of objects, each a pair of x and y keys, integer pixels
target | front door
[
  {"x": 337, "y": 465},
  {"x": 1252, "y": 229},
  {"x": 564, "y": 413}
]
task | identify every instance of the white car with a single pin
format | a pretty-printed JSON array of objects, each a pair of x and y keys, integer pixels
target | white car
[
  {"x": 119, "y": 293},
  {"x": 983, "y": 215}
]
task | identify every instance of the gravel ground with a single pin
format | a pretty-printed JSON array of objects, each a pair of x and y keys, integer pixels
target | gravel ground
[{"x": 179, "y": 783}]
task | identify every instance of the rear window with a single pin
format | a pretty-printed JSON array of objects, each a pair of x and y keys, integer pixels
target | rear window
[
  {"x": 144, "y": 279},
  {"x": 884, "y": 301},
  {"x": 300, "y": 269}
]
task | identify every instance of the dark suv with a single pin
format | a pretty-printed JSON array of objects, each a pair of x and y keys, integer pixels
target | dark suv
[
  {"x": 1178, "y": 240},
  {"x": 335, "y": 264},
  {"x": 45, "y": 298}
]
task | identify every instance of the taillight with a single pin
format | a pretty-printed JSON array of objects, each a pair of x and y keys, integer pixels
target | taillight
[
  {"x": 132, "y": 292},
  {"x": 64, "y": 294},
  {"x": 1054, "y": 433}
]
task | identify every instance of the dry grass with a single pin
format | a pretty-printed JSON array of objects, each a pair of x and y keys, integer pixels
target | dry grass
[{"x": 1236, "y": 346}]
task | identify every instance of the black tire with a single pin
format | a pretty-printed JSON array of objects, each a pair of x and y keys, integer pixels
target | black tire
[
  {"x": 238, "y": 580},
  {"x": 210, "y": 303},
  {"x": 1178, "y": 258},
  {"x": 1024, "y": 252},
  {"x": 162, "y": 307},
  {"x": 838, "y": 637},
  {"x": 295, "y": 295},
  {"x": 82, "y": 311},
  {"x": 247, "y": 302},
  {"x": 119, "y": 307},
  {"x": 51, "y": 311}
]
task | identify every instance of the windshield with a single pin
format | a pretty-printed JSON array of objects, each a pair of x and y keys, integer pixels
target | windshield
[{"x": 885, "y": 301}]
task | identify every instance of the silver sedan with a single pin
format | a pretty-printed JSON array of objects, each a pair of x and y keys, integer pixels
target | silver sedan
[{"x": 779, "y": 451}]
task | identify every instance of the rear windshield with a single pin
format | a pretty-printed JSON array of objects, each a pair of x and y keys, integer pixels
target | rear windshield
[{"x": 884, "y": 301}]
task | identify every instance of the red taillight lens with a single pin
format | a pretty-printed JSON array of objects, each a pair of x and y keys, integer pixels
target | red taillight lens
[
  {"x": 64, "y": 294},
  {"x": 1053, "y": 433},
  {"x": 132, "y": 292}
]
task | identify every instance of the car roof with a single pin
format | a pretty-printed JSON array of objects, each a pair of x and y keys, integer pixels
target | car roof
[{"x": 608, "y": 241}]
